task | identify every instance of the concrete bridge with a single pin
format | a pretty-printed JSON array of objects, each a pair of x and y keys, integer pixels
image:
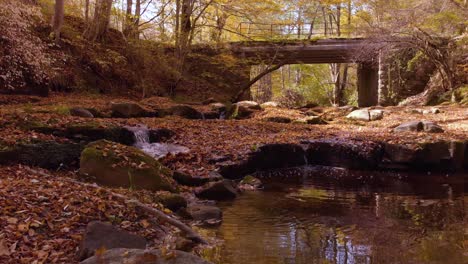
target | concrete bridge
[{"x": 315, "y": 52}]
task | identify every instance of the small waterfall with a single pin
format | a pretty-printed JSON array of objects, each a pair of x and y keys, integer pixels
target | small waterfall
[
  {"x": 222, "y": 115},
  {"x": 156, "y": 150}
]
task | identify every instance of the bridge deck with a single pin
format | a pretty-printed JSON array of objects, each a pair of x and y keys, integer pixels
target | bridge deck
[{"x": 300, "y": 51}]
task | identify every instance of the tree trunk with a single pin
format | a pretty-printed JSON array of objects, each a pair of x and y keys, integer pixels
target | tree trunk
[
  {"x": 101, "y": 19},
  {"x": 128, "y": 19},
  {"x": 87, "y": 11},
  {"x": 58, "y": 18}
]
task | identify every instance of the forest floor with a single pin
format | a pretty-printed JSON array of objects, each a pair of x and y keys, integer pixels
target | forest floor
[{"x": 43, "y": 218}]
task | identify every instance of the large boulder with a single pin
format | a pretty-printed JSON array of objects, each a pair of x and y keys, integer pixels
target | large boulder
[
  {"x": 185, "y": 111},
  {"x": 117, "y": 165},
  {"x": 140, "y": 256},
  {"x": 100, "y": 235},
  {"x": 221, "y": 190},
  {"x": 128, "y": 110}
]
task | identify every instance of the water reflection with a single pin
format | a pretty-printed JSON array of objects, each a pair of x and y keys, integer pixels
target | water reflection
[{"x": 318, "y": 221}]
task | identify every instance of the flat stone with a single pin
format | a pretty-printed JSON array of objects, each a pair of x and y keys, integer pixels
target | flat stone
[
  {"x": 185, "y": 111},
  {"x": 140, "y": 256},
  {"x": 410, "y": 126},
  {"x": 249, "y": 105},
  {"x": 104, "y": 235}
]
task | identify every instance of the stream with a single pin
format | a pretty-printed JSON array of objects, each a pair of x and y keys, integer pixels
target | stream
[{"x": 320, "y": 221}]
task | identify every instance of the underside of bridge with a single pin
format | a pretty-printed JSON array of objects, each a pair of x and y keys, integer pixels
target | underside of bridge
[{"x": 318, "y": 52}]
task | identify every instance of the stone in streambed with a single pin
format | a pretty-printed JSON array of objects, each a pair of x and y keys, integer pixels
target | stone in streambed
[
  {"x": 117, "y": 165},
  {"x": 204, "y": 213},
  {"x": 171, "y": 200},
  {"x": 221, "y": 190},
  {"x": 100, "y": 235}
]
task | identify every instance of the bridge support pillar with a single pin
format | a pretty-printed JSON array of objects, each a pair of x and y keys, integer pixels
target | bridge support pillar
[{"x": 368, "y": 80}]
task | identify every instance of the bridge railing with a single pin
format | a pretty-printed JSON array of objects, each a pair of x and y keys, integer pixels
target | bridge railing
[{"x": 261, "y": 31}]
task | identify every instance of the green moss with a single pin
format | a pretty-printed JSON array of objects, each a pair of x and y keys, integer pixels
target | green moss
[{"x": 117, "y": 165}]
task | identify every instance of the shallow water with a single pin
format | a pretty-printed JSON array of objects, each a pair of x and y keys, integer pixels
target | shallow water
[{"x": 317, "y": 221}]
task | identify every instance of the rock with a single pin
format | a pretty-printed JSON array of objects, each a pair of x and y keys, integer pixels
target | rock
[
  {"x": 365, "y": 115},
  {"x": 218, "y": 107},
  {"x": 279, "y": 119},
  {"x": 345, "y": 153},
  {"x": 418, "y": 126},
  {"x": 269, "y": 156},
  {"x": 194, "y": 181},
  {"x": 432, "y": 127},
  {"x": 375, "y": 115},
  {"x": 171, "y": 200},
  {"x": 140, "y": 256},
  {"x": 315, "y": 120},
  {"x": 410, "y": 126},
  {"x": 47, "y": 154},
  {"x": 250, "y": 183},
  {"x": 221, "y": 190},
  {"x": 160, "y": 135},
  {"x": 208, "y": 101},
  {"x": 362, "y": 115},
  {"x": 204, "y": 213},
  {"x": 269, "y": 105},
  {"x": 117, "y": 165},
  {"x": 184, "y": 244},
  {"x": 129, "y": 110},
  {"x": 88, "y": 132},
  {"x": 185, "y": 111},
  {"x": 431, "y": 111},
  {"x": 249, "y": 105},
  {"x": 211, "y": 115},
  {"x": 81, "y": 112},
  {"x": 104, "y": 235}
]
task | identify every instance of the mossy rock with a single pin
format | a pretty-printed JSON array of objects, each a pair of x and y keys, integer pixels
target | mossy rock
[{"x": 117, "y": 165}]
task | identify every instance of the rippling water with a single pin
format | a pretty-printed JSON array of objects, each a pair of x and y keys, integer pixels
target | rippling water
[{"x": 318, "y": 221}]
